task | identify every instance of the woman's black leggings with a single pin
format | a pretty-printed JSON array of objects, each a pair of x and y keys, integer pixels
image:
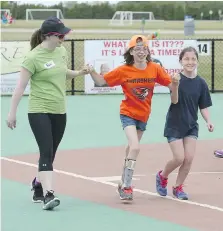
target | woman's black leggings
[{"x": 48, "y": 130}]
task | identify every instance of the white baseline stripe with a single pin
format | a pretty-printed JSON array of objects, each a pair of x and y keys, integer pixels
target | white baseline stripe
[
  {"x": 113, "y": 178},
  {"x": 115, "y": 185},
  {"x": 195, "y": 173}
]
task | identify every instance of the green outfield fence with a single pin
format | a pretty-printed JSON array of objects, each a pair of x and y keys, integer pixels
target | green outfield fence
[{"x": 210, "y": 67}]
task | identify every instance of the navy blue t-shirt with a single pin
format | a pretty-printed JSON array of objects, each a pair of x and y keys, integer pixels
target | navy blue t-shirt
[{"x": 182, "y": 117}]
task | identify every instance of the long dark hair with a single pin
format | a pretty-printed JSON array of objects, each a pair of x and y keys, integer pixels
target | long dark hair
[
  {"x": 36, "y": 39},
  {"x": 129, "y": 60}
]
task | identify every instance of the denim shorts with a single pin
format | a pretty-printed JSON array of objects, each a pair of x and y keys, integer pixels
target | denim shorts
[
  {"x": 171, "y": 139},
  {"x": 192, "y": 133},
  {"x": 128, "y": 121}
]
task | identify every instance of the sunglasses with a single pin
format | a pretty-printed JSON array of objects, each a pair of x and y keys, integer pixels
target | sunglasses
[
  {"x": 138, "y": 49},
  {"x": 60, "y": 36}
]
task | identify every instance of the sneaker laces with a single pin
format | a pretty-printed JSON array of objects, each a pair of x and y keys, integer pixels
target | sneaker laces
[
  {"x": 179, "y": 188},
  {"x": 128, "y": 190},
  {"x": 164, "y": 181}
]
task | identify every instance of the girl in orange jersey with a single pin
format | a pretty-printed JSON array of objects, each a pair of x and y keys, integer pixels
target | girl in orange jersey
[{"x": 137, "y": 77}]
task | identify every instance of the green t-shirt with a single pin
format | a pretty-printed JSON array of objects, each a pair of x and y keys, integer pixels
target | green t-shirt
[{"x": 48, "y": 80}]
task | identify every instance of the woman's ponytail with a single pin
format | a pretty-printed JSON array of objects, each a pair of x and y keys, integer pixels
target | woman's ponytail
[{"x": 36, "y": 39}]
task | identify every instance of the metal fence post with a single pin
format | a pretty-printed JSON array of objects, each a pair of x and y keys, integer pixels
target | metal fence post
[
  {"x": 72, "y": 66},
  {"x": 212, "y": 66}
]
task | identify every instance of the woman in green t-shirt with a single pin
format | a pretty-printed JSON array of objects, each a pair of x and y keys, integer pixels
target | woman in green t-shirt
[{"x": 45, "y": 66}]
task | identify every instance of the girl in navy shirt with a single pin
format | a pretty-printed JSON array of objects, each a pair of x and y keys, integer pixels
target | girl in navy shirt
[{"x": 181, "y": 128}]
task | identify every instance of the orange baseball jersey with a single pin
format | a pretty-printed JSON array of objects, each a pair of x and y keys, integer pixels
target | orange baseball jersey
[{"x": 137, "y": 86}]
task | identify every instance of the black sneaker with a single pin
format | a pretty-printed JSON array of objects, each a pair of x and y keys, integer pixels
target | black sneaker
[
  {"x": 50, "y": 201},
  {"x": 38, "y": 192}
]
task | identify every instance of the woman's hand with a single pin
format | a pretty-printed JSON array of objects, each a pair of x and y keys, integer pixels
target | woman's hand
[
  {"x": 11, "y": 120},
  {"x": 87, "y": 69}
]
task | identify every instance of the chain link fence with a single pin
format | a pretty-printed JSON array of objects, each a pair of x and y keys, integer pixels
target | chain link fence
[
  {"x": 210, "y": 66},
  {"x": 218, "y": 66}
]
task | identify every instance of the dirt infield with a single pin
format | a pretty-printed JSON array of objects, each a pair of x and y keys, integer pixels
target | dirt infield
[{"x": 81, "y": 173}]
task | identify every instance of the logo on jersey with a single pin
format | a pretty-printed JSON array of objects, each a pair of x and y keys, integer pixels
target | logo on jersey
[
  {"x": 49, "y": 64},
  {"x": 142, "y": 80},
  {"x": 141, "y": 92}
]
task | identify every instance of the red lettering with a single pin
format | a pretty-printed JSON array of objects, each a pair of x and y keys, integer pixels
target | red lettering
[
  {"x": 155, "y": 44},
  {"x": 168, "y": 52},
  {"x": 152, "y": 52},
  {"x": 120, "y": 52},
  {"x": 174, "y": 52},
  {"x": 172, "y": 71},
  {"x": 107, "y": 44},
  {"x": 160, "y": 52},
  {"x": 115, "y": 44},
  {"x": 104, "y": 52},
  {"x": 179, "y": 50},
  {"x": 113, "y": 52},
  {"x": 168, "y": 43},
  {"x": 165, "y": 44}
]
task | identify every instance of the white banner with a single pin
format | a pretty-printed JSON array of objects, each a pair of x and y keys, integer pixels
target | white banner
[
  {"x": 12, "y": 55},
  {"x": 106, "y": 55}
]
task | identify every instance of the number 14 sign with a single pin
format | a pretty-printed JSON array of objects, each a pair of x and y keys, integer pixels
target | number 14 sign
[{"x": 204, "y": 48}]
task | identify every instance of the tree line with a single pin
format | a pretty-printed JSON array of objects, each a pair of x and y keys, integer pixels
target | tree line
[{"x": 105, "y": 10}]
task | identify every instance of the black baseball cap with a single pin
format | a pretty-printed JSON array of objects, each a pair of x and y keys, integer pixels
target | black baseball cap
[{"x": 53, "y": 25}]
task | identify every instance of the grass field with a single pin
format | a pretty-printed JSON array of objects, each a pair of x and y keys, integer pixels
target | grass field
[
  {"x": 27, "y": 35},
  {"x": 86, "y": 24},
  {"x": 105, "y": 24}
]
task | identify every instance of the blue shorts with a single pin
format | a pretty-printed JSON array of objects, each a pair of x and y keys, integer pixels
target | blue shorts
[
  {"x": 171, "y": 139},
  {"x": 128, "y": 121},
  {"x": 192, "y": 133}
]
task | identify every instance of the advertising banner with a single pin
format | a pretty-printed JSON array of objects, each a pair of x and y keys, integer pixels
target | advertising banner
[
  {"x": 106, "y": 55},
  {"x": 12, "y": 55}
]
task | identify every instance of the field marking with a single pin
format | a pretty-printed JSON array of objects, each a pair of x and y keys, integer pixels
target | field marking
[
  {"x": 115, "y": 185},
  {"x": 113, "y": 178},
  {"x": 195, "y": 173}
]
